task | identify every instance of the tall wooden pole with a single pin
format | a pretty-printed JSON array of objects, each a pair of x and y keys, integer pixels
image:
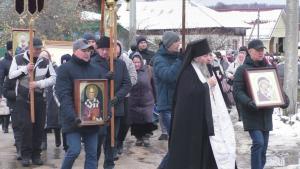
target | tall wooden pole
[
  {"x": 112, "y": 53},
  {"x": 102, "y": 30},
  {"x": 183, "y": 25},
  {"x": 291, "y": 55},
  {"x": 31, "y": 74}
]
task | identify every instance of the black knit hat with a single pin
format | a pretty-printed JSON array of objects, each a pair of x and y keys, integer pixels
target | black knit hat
[
  {"x": 103, "y": 42},
  {"x": 140, "y": 39},
  {"x": 243, "y": 48},
  {"x": 9, "y": 45},
  {"x": 65, "y": 58}
]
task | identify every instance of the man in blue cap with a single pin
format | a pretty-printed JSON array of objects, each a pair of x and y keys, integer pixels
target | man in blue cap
[{"x": 78, "y": 67}]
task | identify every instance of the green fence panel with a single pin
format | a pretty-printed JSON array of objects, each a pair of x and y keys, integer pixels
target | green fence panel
[{"x": 2, "y": 52}]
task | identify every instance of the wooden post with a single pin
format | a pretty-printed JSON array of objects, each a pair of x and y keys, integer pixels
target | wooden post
[
  {"x": 183, "y": 26},
  {"x": 112, "y": 54},
  {"x": 102, "y": 30},
  {"x": 31, "y": 74}
]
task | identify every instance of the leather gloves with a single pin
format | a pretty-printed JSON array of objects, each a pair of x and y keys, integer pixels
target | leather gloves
[
  {"x": 114, "y": 101},
  {"x": 286, "y": 101},
  {"x": 109, "y": 75},
  {"x": 251, "y": 105},
  {"x": 77, "y": 122}
]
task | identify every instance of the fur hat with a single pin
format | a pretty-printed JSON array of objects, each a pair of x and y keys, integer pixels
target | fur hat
[{"x": 103, "y": 42}]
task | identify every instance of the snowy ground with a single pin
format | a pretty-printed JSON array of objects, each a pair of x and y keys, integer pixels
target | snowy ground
[{"x": 284, "y": 143}]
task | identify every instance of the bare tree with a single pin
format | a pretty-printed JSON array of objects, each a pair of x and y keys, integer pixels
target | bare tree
[{"x": 59, "y": 20}]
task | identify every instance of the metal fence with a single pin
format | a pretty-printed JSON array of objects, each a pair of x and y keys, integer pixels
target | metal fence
[{"x": 2, "y": 52}]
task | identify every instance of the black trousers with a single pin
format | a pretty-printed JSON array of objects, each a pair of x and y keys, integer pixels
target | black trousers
[
  {"x": 124, "y": 126},
  {"x": 16, "y": 126},
  {"x": 5, "y": 122},
  {"x": 32, "y": 133}
]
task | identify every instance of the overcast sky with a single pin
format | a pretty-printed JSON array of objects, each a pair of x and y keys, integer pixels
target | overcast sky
[{"x": 213, "y": 2}]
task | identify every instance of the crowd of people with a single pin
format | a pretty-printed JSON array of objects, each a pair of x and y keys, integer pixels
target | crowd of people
[{"x": 193, "y": 92}]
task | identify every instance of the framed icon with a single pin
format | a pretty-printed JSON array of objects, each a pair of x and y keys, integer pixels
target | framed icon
[
  {"x": 264, "y": 87},
  {"x": 91, "y": 101},
  {"x": 21, "y": 40}
]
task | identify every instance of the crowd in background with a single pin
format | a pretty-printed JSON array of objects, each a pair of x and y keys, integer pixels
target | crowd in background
[{"x": 146, "y": 89}]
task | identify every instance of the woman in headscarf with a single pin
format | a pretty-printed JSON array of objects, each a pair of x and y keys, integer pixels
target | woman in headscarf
[
  {"x": 202, "y": 135},
  {"x": 141, "y": 103}
]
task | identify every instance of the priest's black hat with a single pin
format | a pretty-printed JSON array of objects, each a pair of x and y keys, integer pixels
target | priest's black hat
[{"x": 198, "y": 48}]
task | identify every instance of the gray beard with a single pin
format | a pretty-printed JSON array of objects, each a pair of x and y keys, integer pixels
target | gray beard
[{"x": 204, "y": 70}]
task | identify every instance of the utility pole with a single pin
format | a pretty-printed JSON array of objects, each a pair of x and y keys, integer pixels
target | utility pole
[
  {"x": 291, "y": 55},
  {"x": 183, "y": 26},
  {"x": 132, "y": 22},
  {"x": 258, "y": 22}
]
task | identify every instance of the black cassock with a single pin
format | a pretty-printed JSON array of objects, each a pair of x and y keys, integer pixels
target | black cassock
[{"x": 192, "y": 124}]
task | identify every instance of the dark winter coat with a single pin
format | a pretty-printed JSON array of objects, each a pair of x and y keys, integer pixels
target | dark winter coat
[
  {"x": 252, "y": 120},
  {"x": 52, "y": 110},
  {"x": 4, "y": 70},
  {"x": 166, "y": 68},
  {"x": 141, "y": 99},
  {"x": 66, "y": 74},
  {"x": 9, "y": 92},
  {"x": 121, "y": 80},
  {"x": 189, "y": 146},
  {"x": 147, "y": 55}
]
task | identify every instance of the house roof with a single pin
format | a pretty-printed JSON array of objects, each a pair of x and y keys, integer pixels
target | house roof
[
  {"x": 268, "y": 19},
  {"x": 157, "y": 15}
]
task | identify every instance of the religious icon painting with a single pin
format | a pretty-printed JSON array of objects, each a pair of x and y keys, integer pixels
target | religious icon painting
[
  {"x": 91, "y": 101},
  {"x": 21, "y": 40},
  {"x": 264, "y": 87}
]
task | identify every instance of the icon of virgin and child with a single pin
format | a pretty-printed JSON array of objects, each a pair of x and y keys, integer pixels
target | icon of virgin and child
[{"x": 92, "y": 103}]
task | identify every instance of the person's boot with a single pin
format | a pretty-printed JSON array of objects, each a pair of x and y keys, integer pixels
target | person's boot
[
  {"x": 5, "y": 124},
  {"x": 146, "y": 141},
  {"x": 37, "y": 161},
  {"x": 163, "y": 137},
  {"x": 44, "y": 145},
  {"x": 57, "y": 137},
  {"x": 25, "y": 162},
  {"x": 120, "y": 148},
  {"x": 139, "y": 142}
]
